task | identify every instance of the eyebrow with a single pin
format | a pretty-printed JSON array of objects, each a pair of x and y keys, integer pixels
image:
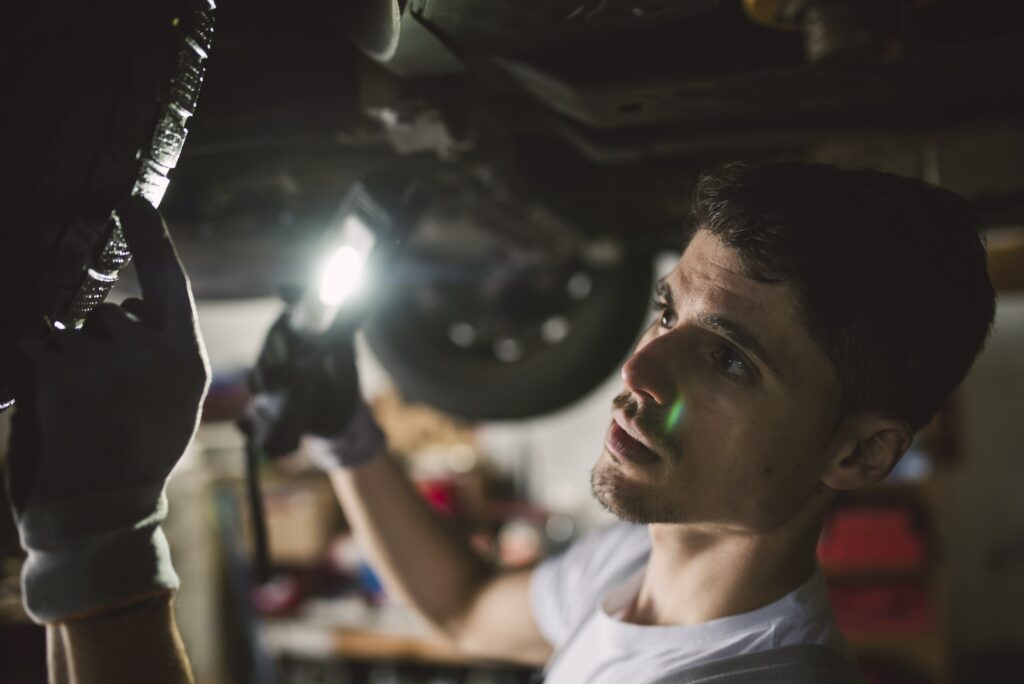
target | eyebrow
[{"x": 726, "y": 327}]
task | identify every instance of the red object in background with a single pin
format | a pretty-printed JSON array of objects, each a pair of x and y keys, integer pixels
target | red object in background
[
  {"x": 881, "y": 607},
  {"x": 278, "y": 596},
  {"x": 872, "y": 539},
  {"x": 441, "y": 494}
]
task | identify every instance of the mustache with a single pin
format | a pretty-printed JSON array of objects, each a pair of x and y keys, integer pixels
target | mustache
[
  {"x": 645, "y": 418},
  {"x": 651, "y": 421},
  {"x": 626, "y": 402}
]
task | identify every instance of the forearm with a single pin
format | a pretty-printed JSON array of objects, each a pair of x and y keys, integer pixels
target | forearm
[
  {"x": 425, "y": 561},
  {"x": 137, "y": 643}
]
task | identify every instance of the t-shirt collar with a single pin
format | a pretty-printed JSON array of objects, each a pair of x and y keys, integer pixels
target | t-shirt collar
[{"x": 805, "y": 602}]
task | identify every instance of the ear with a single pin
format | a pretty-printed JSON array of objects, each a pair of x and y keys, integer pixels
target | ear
[{"x": 864, "y": 449}]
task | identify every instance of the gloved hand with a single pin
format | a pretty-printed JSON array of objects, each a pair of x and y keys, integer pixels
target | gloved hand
[
  {"x": 102, "y": 416},
  {"x": 306, "y": 384}
]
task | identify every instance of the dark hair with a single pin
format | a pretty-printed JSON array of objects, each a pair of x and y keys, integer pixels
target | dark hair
[{"x": 890, "y": 272}]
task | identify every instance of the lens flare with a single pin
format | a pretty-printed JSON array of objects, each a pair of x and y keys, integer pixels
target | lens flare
[{"x": 675, "y": 414}]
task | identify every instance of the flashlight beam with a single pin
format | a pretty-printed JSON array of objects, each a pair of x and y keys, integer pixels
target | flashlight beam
[{"x": 341, "y": 276}]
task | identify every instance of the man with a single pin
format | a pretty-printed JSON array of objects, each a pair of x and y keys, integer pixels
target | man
[{"x": 817, "y": 318}]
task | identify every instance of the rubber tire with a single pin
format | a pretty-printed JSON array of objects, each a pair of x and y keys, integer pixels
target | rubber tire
[
  {"x": 96, "y": 110},
  {"x": 433, "y": 371}
]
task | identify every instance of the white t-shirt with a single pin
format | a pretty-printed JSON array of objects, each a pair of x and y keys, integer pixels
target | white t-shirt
[{"x": 579, "y": 596}]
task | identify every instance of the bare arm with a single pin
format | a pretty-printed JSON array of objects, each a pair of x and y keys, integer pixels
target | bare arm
[
  {"x": 137, "y": 643},
  {"x": 483, "y": 612}
]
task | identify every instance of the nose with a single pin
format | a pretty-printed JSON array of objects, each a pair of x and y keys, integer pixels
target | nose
[{"x": 648, "y": 372}]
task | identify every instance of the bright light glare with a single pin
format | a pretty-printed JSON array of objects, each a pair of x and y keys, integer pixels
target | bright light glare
[
  {"x": 342, "y": 275},
  {"x": 675, "y": 414}
]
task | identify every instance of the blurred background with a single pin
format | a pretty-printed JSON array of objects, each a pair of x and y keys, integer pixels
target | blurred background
[{"x": 553, "y": 147}]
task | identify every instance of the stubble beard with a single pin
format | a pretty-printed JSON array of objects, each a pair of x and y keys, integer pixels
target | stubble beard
[
  {"x": 626, "y": 500},
  {"x": 629, "y": 501}
]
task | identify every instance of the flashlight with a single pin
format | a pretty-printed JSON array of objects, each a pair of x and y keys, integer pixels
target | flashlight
[
  {"x": 321, "y": 322},
  {"x": 342, "y": 278},
  {"x": 368, "y": 227},
  {"x": 342, "y": 275}
]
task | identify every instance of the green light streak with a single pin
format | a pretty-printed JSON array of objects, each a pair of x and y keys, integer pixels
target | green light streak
[{"x": 674, "y": 414}]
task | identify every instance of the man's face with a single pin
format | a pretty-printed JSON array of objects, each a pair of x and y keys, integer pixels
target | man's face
[{"x": 728, "y": 403}]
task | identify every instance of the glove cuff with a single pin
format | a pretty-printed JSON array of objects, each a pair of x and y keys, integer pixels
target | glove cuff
[
  {"x": 361, "y": 441},
  {"x": 80, "y": 564}
]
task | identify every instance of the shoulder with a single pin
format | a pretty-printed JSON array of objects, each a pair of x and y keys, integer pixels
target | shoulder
[
  {"x": 804, "y": 664},
  {"x": 615, "y": 545},
  {"x": 599, "y": 558},
  {"x": 569, "y": 586}
]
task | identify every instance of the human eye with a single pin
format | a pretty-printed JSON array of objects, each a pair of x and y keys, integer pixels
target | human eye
[
  {"x": 732, "y": 364},
  {"x": 666, "y": 314}
]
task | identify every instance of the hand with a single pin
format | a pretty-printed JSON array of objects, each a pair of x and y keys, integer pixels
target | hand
[
  {"x": 307, "y": 384},
  {"x": 102, "y": 417}
]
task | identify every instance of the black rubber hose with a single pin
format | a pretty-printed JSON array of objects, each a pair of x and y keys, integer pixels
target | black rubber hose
[{"x": 260, "y": 554}]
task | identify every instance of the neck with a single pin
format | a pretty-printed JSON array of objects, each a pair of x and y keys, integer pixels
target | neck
[{"x": 698, "y": 573}]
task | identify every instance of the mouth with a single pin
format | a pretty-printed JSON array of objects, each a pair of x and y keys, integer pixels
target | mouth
[{"x": 625, "y": 441}]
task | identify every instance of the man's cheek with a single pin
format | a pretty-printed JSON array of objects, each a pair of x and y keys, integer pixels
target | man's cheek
[{"x": 712, "y": 421}]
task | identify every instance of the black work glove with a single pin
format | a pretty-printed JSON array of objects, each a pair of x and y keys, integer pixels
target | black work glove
[
  {"x": 306, "y": 384},
  {"x": 102, "y": 416}
]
